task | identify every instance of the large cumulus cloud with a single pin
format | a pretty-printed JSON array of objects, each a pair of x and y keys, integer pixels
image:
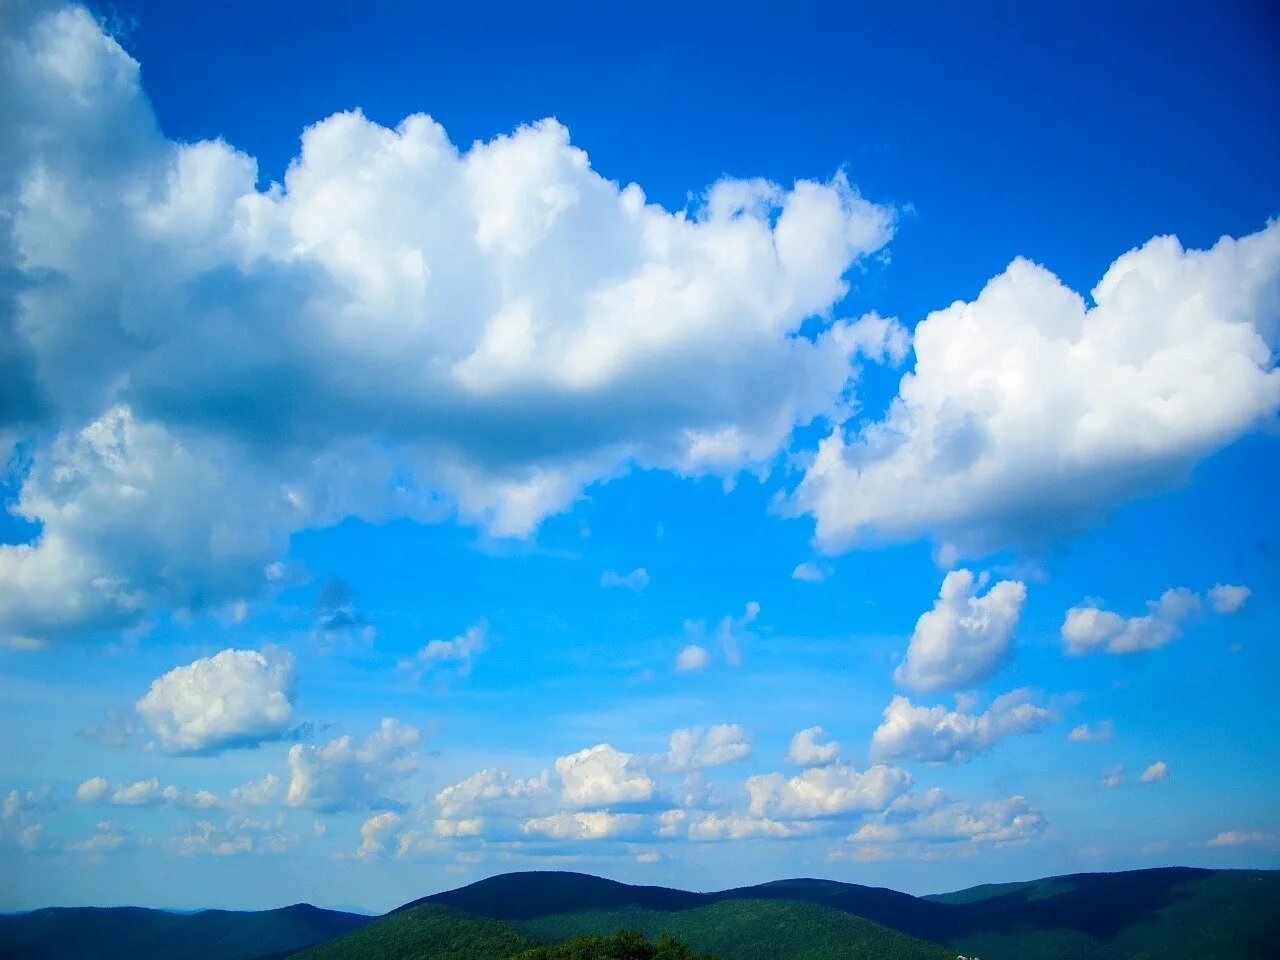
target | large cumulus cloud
[
  {"x": 1031, "y": 412},
  {"x": 400, "y": 324}
]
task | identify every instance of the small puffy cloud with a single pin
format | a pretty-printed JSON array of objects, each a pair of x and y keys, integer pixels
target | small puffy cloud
[
  {"x": 811, "y": 571},
  {"x": 635, "y": 581},
  {"x": 593, "y": 825},
  {"x": 1100, "y": 732},
  {"x": 602, "y": 776},
  {"x": 669, "y": 822},
  {"x": 648, "y": 856},
  {"x": 696, "y": 748},
  {"x": 143, "y": 793},
  {"x": 1089, "y": 628},
  {"x": 138, "y": 794},
  {"x": 19, "y": 802},
  {"x": 1157, "y": 771},
  {"x": 257, "y": 793},
  {"x": 351, "y": 774},
  {"x": 486, "y": 788},
  {"x": 463, "y": 827},
  {"x": 825, "y": 792},
  {"x": 206, "y": 839},
  {"x": 692, "y": 658},
  {"x": 937, "y": 818},
  {"x": 236, "y": 836},
  {"x": 1226, "y": 598},
  {"x": 966, "y": 637},
  {"x": 939, "y": 735},
  {"x": 373, "y": 835},
  {"x": 1113, "y": 776},
  {"x": 715, "y": 826},
  {"x": 1240, "y": 838},
  {"x": 92, "y": 790},
  {"x": 236, "y": 698},
  {"x": 1030, "y": 413},
  {"x": 459, "y": 653},
  {"x": 108, "y": 837},
  {"x": 30, "y": 837},
  {"x": 806, "y": 751}
]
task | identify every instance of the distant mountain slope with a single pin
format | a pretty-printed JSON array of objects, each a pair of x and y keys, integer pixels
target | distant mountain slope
[
  {"x": 752, "y": 930},
  {"x": 1171, "y": 913},
  {"x": 430, "y": 931},
  {"x": 522, "y": 896},
  {"x": 901, "y": 911},
  {"x": 117, "y": 933},
  {"x": 1168, "y": 914}
]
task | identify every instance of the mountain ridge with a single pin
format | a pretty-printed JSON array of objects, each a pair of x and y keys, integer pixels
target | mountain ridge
[{"x": 1167, "y": 913}]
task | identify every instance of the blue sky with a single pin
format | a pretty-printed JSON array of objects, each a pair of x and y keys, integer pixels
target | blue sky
[{"x": 388, "y": 512}]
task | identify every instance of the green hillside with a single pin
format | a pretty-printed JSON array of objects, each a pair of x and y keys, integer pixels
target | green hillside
[
  {"x": 115, "y": 933},
  {"x": 751, "y": 930},
  {"x": 1166, "y": 914},
  {"x": 622, "y": 945},
  {"x": 522, "y": 896},
  {"x": 427, "y": 932},
  {"x": 1173, "y": 914}
]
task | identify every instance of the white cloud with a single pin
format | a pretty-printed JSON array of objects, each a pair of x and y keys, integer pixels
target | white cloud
[
  {"x": 692, "y": 658},
  {"x": 143, "y": 793},
  {"x": 464, "y": 827},
  {"x": 1098, "y": 733},
  {"x": 373, "y": 834},
  {"x": 235, "y": 698},
  {"x": 939, "y": 735},
  {"x": 460, "y": 652},
  {"x": 648, "y": 856},
  {"x": 19, "y": 802},
  {"x": 635, "y": 581},
  {"x": 487, "y": 787},
  {"x": 965, "y": 638},
  {"x": 937, "y": 818},
  {"x": 257, "y": 793},
  {"x": 1157, "y": 771},
  {"x": 1238, "y": 838},
  {"x": 1226, "y": 598},
  {"x": 594, "y": 825},
  {"x": 825, "y": 791},
  {"x": 811, "y": 571},
  {"x": 1030, "y": 413},
  {"x": 439, "y": 320},
  {"x": 92, "y": 790},
  {"x": 715, "y": 826},
  {"x": 1090, "y": 628},
  {"x": 238, "y": 835},
  {"x": 806, "y": 751},
  {"x": 696, "y": 748},
  {"x": 109, "y": 836},
  {"x": 1113, "y": 776},
  {"x": 602, "y": 776},
  {"x": 732, "y": 630},
  {"x": 669, "y": 822},
  {"x": 350, "y": 774}
]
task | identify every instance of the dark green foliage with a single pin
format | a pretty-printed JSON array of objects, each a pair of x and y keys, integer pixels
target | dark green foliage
[
  {"x": 752, "y": 930},
  {"x": 1174, "y": 914},
  {"x": 131, "y": 933},
  {"x": 428, "y": 932},
  {"x": 621, "y": 945}
]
